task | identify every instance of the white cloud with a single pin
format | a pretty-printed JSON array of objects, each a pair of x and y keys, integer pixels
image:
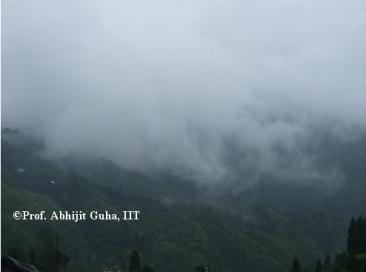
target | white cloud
[{"x": 167, "y": 83}]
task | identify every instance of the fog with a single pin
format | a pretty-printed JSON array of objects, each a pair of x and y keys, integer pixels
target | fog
[{"x": 207, "y": 89}]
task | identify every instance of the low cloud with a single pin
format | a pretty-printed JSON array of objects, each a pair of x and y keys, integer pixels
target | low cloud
[{"x": 208, "y": 89}]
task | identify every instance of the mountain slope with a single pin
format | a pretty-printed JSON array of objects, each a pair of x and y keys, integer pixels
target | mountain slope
[{"x": 177, "y": 231}]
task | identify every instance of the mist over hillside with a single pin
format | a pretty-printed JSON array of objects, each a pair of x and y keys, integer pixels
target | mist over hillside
[
  {"x": 206, "y": 89},
  {"x": 237, "y": 128},
  {"x": 183, "y": 223}
]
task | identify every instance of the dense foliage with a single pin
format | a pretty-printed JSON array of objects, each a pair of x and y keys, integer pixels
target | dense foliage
[
  {"x": 181, "y": 229},
  {"x": 352, "y": 261}
]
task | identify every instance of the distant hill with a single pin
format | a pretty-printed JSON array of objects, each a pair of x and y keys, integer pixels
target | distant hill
[{"x": 181, "y": 226}]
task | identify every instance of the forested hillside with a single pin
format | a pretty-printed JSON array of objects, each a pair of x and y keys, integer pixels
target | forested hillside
[
  {"x": 181, "y": 226},
  {"x": 353, "y": 259}
]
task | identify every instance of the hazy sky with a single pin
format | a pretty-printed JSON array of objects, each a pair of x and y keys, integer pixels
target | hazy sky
[{"x": 186, "y": 84}]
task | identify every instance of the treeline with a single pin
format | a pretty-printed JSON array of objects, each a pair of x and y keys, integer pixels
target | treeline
[
  {"x": 351, "y": 260},
  {"x": 135, "y": 265},
  {"x": 46, "y": 257},
  {"x": 51, "y": 259}
]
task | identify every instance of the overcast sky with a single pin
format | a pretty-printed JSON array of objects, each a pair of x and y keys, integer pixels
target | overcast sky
[{"x": 178, "y": 84}]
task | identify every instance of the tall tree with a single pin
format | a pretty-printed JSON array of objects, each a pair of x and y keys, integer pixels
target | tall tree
[
  {"x": 356, "y": 240},
  {"x": 327, "y": 263},
  {"x": 340, "y": 261},
  {"x": 318, "y": 266},
  {"x": 351, "y": 237},
  {"x": 296, "y": 266},
  {"x": 134, "y": 264}
]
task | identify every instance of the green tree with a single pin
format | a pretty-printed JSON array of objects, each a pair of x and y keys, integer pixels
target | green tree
[
  {"x": 296, "y": 266},
  {"x": 327, "y": 264},
  {"x": 122, "y": 265},
  {"x": 318, "y": 266},
  {"x": 356, "y": 240},
  {"x": 134, "y": 264},
  {"x": 351, "y": 237},
  {"x": 327, "y": 261},
  {"x": 340, "y": 261},
  {"x": 32, "y": 256},
  {"x": 52, "y": 258}
]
